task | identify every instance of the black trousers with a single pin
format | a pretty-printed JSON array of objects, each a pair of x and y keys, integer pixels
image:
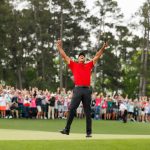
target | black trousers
[
  {"x": 80, "y": 94},
  {"x": 124, "y": 117}
]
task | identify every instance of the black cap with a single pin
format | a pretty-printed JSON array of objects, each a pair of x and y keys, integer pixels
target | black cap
[{"x": 81, "y": 53}]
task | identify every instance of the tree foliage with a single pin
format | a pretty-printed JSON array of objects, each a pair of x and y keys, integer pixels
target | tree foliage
[{"x": 28, "y": 55}]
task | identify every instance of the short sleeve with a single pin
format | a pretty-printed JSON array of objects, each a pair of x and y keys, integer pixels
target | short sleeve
[
  {"x": 71, "y": 64},
  {"x": 90, "y": 64}
]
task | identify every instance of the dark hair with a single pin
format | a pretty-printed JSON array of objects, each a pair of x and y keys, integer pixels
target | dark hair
[{"x": 81, "y": 53}]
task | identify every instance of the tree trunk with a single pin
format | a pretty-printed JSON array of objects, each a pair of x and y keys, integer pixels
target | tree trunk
[
  {"x": 19, "y": 78},
  {"x": 142, "y": 69},
  {"x": 60, "y": 58},
  {"x": 145, "y": 61}
]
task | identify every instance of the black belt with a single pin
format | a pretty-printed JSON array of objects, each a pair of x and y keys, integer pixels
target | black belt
[{"x": 82, "y": 86}]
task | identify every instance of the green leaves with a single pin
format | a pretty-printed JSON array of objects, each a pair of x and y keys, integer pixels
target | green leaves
[{"x": 28, "y": 55}]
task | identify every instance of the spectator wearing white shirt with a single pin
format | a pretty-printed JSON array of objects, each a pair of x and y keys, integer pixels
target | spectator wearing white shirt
[
  {"x": 2, "y": 105},
  {"x": 130, "y": 107},
  {"x": 123, "y": 110}
]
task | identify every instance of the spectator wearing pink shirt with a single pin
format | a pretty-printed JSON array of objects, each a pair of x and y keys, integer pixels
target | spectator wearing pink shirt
[
  {"x": 104, "y": 107},
  {"x": 98, "y": 106},
  {"x": 33, "y": 109},
  {"x": 20, "y": 104}
]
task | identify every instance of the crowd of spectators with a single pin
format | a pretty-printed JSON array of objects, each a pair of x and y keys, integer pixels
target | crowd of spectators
[{"x": 43, "y": 104}]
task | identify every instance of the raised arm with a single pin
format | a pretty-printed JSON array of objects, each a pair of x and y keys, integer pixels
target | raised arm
[
  {"x": 99, "y": 53},
  {"x": 61, "y": 51}
]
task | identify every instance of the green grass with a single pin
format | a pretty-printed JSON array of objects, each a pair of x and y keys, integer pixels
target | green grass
[
  {"x": 76, "y": 145},
  {"x": 78, "y": 126}
]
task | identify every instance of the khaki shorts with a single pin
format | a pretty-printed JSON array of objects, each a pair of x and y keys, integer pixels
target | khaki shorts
[
  {"x": 103, "y": 110},
  {"x": 39, "y": 108}
]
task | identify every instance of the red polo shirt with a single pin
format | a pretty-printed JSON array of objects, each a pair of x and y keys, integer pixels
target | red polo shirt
[{"x": 81, "y": 72}]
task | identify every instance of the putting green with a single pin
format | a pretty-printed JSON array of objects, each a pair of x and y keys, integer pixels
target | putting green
[{"x": 9, "y": 134}]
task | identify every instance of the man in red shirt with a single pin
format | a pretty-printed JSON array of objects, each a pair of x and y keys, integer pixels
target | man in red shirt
[{"x": 82, "y": 92}]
